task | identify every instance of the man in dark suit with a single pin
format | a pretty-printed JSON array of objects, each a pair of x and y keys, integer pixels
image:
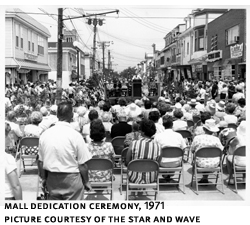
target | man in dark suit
[{"x": 121, "y": 128}]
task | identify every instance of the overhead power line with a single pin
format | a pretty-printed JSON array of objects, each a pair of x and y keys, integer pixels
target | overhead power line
[
  {"x": 127, "y": 42},
  {"x": 147, "y": 23}
]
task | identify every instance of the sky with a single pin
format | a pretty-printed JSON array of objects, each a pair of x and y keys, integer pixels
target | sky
[{"x": 129, "y": 34}]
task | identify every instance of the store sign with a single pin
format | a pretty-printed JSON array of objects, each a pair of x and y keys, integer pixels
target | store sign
[
  {"x": 30, "y": 57},
  {"x": 214, "y": 55},
  {"x": 236, "y": 50}
]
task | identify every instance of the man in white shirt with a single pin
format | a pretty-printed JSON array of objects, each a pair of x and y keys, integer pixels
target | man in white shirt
[
  {"x": 169, "y": 138},
  {"x": 202, "y": 92},
  {"x": 62, "y": 158}
]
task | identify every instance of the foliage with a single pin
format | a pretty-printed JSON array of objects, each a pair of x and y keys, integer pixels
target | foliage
[{"x": 128, "y": 73}]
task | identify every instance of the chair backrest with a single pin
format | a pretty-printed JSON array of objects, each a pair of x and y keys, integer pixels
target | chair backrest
[
  {"x": 143, "y": 165},
  {"x": 208, "y": 152},
  {"x": 118, "y": 144},
  {"x": 29, "y": 145},
  {"x": 124, "y": 153},
  {"x": 171, "y": 152},
  {"x": 99, "y": 164},
  {"x": 198, "y": 123},
  {"x": 190, "y": 123},
  {"x": 232, "y": 125},
  {"x": 185, "y": 133},
  {"x": 29, "y": 141},
  {"x": 240, "y": 151}
]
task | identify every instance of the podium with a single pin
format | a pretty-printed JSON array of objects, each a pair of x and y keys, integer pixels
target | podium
[{"x": 136, "y": 88}]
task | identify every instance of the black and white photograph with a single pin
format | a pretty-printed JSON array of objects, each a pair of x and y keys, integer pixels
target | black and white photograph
[{"x": 125, "y": 103}]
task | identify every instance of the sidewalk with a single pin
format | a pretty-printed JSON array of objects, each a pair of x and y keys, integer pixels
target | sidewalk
[{"x": 29, "y": 181}]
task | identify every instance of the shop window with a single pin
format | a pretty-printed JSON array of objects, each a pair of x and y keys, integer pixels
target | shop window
[
  {"x": 233, "y": 70},
  {"x": 232, "y": 35},
  {"x": 199, "y": 39}
]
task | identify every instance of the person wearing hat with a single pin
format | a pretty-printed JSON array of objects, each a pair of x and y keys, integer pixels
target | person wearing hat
[
  {"x": 193, "y": 103},
  {"x": 207, "y": 140},
  {"x": 32, "y": 129},
  {"x": 122, "y": 127},
  {"x": 238, "y": 141},
  {"x": 133, "y": 111},
  {"x": 220, "y": 110}
]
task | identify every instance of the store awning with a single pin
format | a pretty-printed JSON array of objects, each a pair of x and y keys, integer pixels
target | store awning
[
  {"x": 11, "y": 63},
  {"x": 217, "y": 64},
  {"x": 199, "y": 60},
  {"x": 33, "y": 66}
]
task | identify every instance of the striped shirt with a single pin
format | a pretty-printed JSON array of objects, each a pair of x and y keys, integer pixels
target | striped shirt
[{"x": 144, "y": 148}]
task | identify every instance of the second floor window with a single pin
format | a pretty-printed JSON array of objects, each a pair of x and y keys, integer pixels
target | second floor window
[
  {"x": 40, "y": 45},
  {"x": 21, "y": 37},
  {"x": 17, "y": 35},
  {"x": 29, "y": 40},
  {"x": 232, "y": 34},
  {"x": 188, "y": 48},
  {"x": 199, "y": 39}
]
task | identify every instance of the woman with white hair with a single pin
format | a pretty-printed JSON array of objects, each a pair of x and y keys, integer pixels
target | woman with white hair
[{"x": 32, "y": 129}]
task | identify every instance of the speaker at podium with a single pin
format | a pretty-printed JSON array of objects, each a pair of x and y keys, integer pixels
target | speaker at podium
[{"x": 136, "y": 88}]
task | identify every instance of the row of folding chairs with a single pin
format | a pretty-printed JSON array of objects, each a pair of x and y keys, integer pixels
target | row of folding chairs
[{"x": 148, "y": 166}]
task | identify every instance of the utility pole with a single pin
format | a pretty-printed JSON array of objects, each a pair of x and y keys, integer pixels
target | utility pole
[
  {"x": 94, "y": 45},
  {"x": 59, "y": 56},
  {"x": 103, "y": 59}
]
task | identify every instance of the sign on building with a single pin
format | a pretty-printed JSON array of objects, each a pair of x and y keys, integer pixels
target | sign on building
[{"x": 236, "y": 50}]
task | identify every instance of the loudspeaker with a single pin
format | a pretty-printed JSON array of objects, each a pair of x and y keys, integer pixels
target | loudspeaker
[{"x": 136, "y": 89}]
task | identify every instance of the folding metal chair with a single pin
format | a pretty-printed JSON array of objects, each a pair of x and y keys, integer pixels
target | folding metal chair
[
  {"x": 27, "y": 149},
  {"x": 189, "y": 137},
  {"x": 232, "y": 125},
  {"x": 196, "y": 119},
  {"x": 209, "y": 152},
  {"x": 173, "y": 152},
  {"x": 239, "y": 152},
  {"x": 143, "y": 166},
  {"x": 123, "y": 167},
  {"x": 101, "y": 164},
  {"x": 118, "y": 145}
]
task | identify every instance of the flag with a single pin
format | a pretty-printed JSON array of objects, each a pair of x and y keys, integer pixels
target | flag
[{"x": 101, "y": 88}]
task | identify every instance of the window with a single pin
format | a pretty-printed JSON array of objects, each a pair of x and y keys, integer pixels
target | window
[
  {"x": 32, "y": 41},
  {"x": 29, "y": 40},
  {"x": 199, "y": 39},
  {"x": 231, "y": 35},
  {"x": 21, "y": 37},
  {"x": 188, "y": 48},
  {"x": 214, "y": 43},
  {"x": 17, "y": 35},
  {"x": 40, "y": 45},
  {"x": 233, "y": 70}
]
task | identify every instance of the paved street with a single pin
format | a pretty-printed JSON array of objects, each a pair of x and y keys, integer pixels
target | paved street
[{"x": 29, "y": 185}]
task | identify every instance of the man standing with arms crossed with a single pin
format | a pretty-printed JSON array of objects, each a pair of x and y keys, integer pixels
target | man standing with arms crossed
[{"x": 62, "y": 158}]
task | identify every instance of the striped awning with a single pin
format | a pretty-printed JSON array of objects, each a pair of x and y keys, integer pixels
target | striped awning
[
  {"x": 33, "y": 65},
  {"x": 11, "y": 63}
]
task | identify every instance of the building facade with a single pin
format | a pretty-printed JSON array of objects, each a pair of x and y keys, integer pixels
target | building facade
[
  {"x": 193, "y": 41},
  {"x": 227, "y": 46},
  {"x": 26, "y": 48},
  {"x": 72, "y": 60}
]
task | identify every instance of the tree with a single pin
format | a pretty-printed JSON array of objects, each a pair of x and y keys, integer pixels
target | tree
[{"x": 128, "y": 73}]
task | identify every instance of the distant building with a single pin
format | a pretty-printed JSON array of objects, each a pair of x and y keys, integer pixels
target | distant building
[
  {"x": 26, "y": 48},
  {"x": 69, "y": 64},
  {"x": 226, "y": 46}
]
